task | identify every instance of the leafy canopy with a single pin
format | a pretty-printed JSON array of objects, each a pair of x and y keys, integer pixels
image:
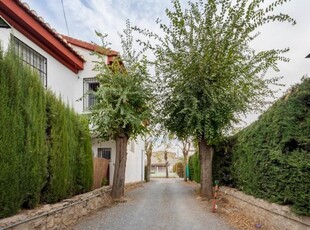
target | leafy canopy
[
  {"x": 209, "y": 72},
  {"x": 124, "y": 97}
]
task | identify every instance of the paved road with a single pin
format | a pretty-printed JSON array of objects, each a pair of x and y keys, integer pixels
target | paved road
[{"x": 161, "y": 204}]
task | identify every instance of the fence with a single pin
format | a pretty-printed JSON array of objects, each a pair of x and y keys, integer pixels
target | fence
[{"x": 101, "y": 171}]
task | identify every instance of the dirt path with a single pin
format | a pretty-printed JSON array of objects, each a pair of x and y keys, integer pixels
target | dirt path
[{"x": 160, "y": 204}]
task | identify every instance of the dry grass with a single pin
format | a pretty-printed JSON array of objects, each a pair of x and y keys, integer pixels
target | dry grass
[{"x": 227, "y": 211}]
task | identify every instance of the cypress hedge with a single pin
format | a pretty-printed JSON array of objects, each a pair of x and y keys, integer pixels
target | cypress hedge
[
  {"x": 194, "y": 167},
  {"x": 11, "y": 136},
  {"x": 45, "y": 148},
  {"x": 66, "y": 133},
  {"x": 270, "y": 159}
]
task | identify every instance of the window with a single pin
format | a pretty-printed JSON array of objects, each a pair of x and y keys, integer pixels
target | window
[
  {"x": 90, "y": 85},
  {"x": 104, "y": 153},
  {"x": 31, "y": 58}
]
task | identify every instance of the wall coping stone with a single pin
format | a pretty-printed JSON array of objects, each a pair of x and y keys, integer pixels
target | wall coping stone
[{"x": 49, "y": 209}]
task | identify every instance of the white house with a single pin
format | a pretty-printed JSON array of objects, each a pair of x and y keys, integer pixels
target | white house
[{"x": 65, "y": 66}]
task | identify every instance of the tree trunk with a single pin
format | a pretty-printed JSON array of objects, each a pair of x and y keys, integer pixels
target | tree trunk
[
  {"x": 120, "y": 166},
  {"x": 166, "y": 160},
  {"x": 167, "y": 173},
  {"x": 148, "y": 167},
  {"x": 206, "y": 155},
  {"x": 148, "y": 147},
  {"x": 184, "y": 165}
]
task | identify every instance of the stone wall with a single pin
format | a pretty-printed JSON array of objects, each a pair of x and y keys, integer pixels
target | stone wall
[
  {"x": 60, "y": 215},
  {"x": 271, "y": 216}
]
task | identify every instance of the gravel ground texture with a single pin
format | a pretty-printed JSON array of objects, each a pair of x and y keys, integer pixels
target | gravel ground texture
[{"x": 160, "y": 204}]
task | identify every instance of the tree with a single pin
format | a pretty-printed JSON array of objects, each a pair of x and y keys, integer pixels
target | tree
[
  {"x": 148, "y": 148},
  {"x": 186, "y": 145},
  {"x": 210, "y": 74},
  {"x": 150, "y": 141},
  {"x": 166, "y": 162},
  {"x": 124, "y": 99}
]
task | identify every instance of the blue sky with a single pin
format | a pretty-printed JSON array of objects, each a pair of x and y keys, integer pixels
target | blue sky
[{"x": 109, "y": 16}]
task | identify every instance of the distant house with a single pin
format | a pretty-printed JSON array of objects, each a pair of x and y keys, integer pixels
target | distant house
[
  {"x": 158, "y": 165},
  {"x": 66, "y": 67}
]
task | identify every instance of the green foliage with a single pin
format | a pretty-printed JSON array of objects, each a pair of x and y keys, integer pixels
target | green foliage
[
  {"x": 222, "y": 161},
  {"x": 178, "y": 168},
  {"x": 84, "y": 157},
  {"x": 124, "y": 98},
  {"x": 271, "y": 158},
  {"x": 104, "y": 182},
  {"x": 123, "y": 103},
  {"x": 194, "y": 167},
  {"x": 69, "y": 152},
  {"x": 45, "y": 148},
  {"x": 209, "y": 73},
  {"x": 22, "y": 139}
]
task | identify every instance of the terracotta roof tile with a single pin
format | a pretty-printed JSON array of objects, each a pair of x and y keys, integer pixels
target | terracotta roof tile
[
  {"x": 47, "y": 26},
  {"x": 90, "y": 46}
]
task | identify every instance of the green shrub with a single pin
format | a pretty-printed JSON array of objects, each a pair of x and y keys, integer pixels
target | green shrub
[
  {"x": 194, "y": 167},
  {"x": 84, "y": 157},
  {"x": 270, "y": 159},
  {"x": 104, "y": 182},
  {"x": 11, "y": 136},
  {"x": 69, "y": 152},
  {"x": 22, "y": 125},
  {"x": 45, "y": 148},
  {"x": 222, "y": 160},
  {"x": 178, "y": 168}
]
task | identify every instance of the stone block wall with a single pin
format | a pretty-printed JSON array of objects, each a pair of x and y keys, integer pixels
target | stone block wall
[
  {"x": 272, "y": 216},
  {"x": 60, "y": 215}
]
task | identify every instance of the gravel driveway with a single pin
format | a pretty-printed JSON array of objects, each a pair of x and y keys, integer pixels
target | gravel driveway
[{"x": 160, "y": 204}]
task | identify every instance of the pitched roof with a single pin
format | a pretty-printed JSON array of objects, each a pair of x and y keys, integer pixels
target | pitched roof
[
  {"x": 25, "y": 20},
  {"x": 90, "y": 46},
  {"x": 308, "y": 56}
]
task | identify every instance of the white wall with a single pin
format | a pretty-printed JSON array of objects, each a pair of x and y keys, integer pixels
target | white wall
[
  {"x": 61, "y": 80},
  {"x": 87, "y": 72},
  {"x": 135, "y": 161},
  {"x": 5, "y": 37}
]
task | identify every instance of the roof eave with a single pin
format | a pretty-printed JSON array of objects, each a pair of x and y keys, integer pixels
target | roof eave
[
  {"x": 16, "y": 14},
  {"x": 90, "y": 46}
]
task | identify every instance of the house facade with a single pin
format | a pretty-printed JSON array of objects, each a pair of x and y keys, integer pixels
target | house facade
[
  {"x": 158, "y": 165},
  {"x": 65, "y": 66}
]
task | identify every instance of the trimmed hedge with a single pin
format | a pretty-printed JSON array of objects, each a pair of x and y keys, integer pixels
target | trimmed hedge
[
  {"x": 69, "y": 152},
  {"x": 194, "y": 167},
  {"x": 270, "y": 159},
  {"x": 222, "y": 161},
  {"x": 45, "y": 148},
  {"x": 22, "y": 137}
]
